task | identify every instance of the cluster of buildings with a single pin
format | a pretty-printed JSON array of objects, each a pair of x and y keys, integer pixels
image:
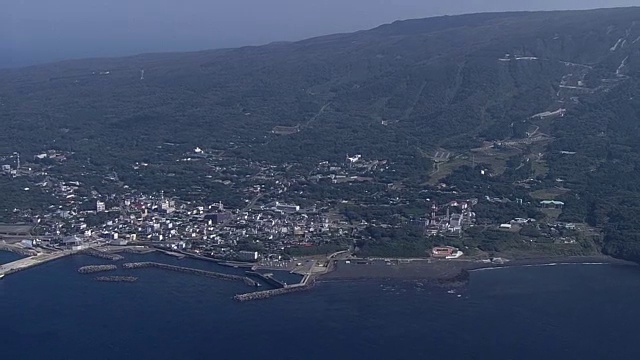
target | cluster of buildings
[
  {"x": 273, "y": 219},
  {"x": 353, "y": 169},
  {"x": 457, "y": 214}
]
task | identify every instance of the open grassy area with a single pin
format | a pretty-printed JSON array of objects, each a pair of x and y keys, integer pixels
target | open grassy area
[
  {"x": 446, "y": 168},
  {"x": 496, "y": 158},
  {"x": 540, "y": 168},
  {"x": 548, "y": 194},
  {"x": 552, "y": 214}
]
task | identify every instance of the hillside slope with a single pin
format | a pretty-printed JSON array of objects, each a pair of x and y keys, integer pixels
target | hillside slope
[
  {"x": 400, "y": 92},
  {"x": 433, "y": 78}
]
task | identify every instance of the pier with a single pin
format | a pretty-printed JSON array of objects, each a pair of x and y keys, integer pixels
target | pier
[
  {"x": 310, "y": 272},
  {"x": 32, "y": 261},
  {"x": 211, "y": 274}
]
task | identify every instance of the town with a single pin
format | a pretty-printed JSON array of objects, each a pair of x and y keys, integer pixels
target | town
[{"x": 281, "y": 214}]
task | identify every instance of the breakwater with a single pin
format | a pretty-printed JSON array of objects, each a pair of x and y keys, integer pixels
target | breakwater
[
  {"x": 211, "y": 274},
  {"x": 259, "y": 295},
  {"x": 117, "y": 278},
  {"x": 101, "y": 254},
  {"x": 96, "y": 268}
]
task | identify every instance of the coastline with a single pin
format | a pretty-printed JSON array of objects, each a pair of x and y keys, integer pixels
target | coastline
[
  {"x": 445, "y": 272},
  {"x": 431, "y": 271}
]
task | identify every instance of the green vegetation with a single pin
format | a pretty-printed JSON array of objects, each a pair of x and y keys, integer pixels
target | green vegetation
[
  {"x": 398, "y": 93},
  {"x": 18, "y": 193}
]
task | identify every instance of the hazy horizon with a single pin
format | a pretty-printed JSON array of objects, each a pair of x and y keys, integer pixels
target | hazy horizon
[{"x": 40, "y": 31}]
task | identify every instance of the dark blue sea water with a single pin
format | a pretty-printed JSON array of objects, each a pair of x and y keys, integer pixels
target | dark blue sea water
[
  {"x": 6, "y": 257},
  {"x": 547, "y": 312}
]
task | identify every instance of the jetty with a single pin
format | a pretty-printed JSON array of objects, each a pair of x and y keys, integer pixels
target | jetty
[
  {"x": 96, "y": 268},
  {"x": 211, "y": 274}
]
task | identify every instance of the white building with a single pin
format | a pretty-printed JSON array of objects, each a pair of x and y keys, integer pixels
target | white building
[
  {"x": 248, "y": 255},
  {"x": 287, "y": 208}
]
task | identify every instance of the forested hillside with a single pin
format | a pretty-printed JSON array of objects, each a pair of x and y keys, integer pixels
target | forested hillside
[{"x": 399, "y": 92}]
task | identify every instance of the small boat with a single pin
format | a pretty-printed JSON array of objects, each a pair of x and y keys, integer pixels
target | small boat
[{"x": 1, "y": 276}]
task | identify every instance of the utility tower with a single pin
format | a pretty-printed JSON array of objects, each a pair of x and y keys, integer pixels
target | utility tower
[{"x": 17, "y": 159}]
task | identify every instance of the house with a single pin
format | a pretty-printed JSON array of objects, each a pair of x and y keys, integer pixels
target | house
[
  {"x": 552, "y": 204},
  {"x": 73, "y": 243},
  {"x": 443, "y": 251},
  {"x": 248, "y": 255},
  {"x": 285, "y": 208}
]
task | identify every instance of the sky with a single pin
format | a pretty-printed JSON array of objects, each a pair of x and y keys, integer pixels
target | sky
[{"x": 37, "y": 31}]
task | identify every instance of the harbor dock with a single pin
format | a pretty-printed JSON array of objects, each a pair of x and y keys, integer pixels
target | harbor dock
[{"x": 307, "y": 282}]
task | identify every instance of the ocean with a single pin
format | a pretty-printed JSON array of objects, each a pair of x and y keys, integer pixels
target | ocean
[{"x": 537, "y": 312}]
